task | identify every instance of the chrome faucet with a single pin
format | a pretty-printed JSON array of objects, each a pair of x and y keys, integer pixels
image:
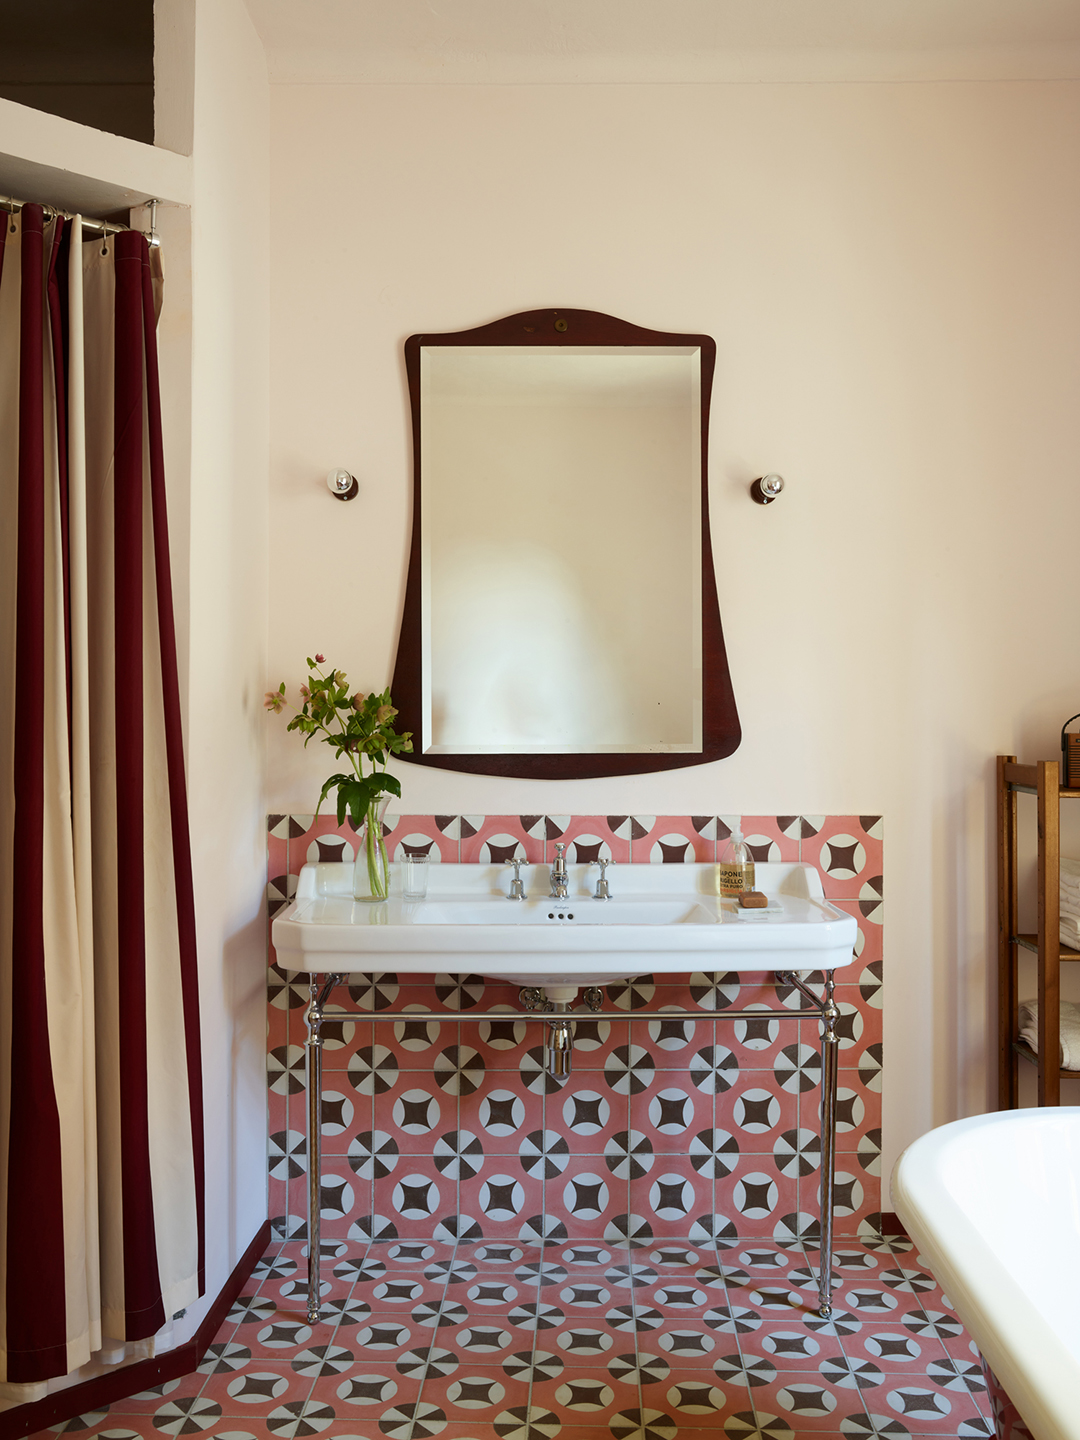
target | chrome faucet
[
  {"x": 558, "y": 875},
  {"x": 603, "y": 891},
  {"x": 517, "y": 885}
]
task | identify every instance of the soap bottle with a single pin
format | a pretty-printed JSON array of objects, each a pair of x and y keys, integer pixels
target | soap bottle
[{"x": 736, "y": 866}]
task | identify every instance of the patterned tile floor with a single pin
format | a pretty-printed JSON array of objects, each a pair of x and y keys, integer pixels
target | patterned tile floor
[{"x": 473, "y": 1341}]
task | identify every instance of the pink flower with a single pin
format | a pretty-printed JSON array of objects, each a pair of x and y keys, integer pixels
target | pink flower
[
  {"x": 319, "y": 659},
  {"x": 274, "y": 701},
  {"x": 384, "y": 713},
  {"x": 358, "y": 700},
  {"x": 305, "y": 693}
]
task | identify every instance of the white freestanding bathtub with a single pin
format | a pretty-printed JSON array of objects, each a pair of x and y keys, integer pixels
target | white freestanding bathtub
[{"x": 994, "y": 1205}]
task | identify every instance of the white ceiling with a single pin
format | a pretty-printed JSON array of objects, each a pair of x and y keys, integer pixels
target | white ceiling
[{"x": 536, "y": 41}]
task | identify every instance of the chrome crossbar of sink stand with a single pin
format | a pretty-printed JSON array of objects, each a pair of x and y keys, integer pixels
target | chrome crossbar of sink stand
[{"x": 824, "y": 1009}]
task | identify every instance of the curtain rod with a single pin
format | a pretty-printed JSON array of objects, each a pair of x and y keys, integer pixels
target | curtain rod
[{"x": 95, "y": 227}]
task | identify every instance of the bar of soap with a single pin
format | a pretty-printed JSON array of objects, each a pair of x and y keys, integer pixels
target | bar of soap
[{"x": 753, "y": 900}]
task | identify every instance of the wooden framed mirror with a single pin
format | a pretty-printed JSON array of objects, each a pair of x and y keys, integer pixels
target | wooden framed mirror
[{"x": 561, "y": 617}]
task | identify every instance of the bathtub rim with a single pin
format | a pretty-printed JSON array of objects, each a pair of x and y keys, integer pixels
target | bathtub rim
[{"x": 1037, "y": 1371}]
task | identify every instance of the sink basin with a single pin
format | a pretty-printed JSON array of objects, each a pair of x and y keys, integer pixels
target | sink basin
[
  {"x": 664, "y": 919},
  {"x": 643, "y": 910}
]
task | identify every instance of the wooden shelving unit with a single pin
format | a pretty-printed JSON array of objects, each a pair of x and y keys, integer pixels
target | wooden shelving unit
[{"x": 1043, "y": 781}]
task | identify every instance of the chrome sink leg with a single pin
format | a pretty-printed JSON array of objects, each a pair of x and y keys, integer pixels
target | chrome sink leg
[
  {"x": 830, "y": 1047},
  {"x": 313, "y": 1017}
]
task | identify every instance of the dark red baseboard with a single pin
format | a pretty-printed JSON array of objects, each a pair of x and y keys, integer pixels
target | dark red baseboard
[{"x": 127, "y": 1380}]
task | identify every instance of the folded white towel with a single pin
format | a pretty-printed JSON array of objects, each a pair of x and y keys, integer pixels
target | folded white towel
[
  {"x": 1069, "y": 907},
  {"x": 1069, "y": 866},
  {"x": 1070, "y": 1030}
]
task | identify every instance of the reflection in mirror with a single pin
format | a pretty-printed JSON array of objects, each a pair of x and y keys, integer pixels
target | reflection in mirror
[
  {"x": 561, "y": 554},
  {"x": 560, "y": 614}
]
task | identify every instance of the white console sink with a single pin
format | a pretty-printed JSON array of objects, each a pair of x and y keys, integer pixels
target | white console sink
[
  {"x": 663, "y": 919},
  {"x": 634, "y": 910}
]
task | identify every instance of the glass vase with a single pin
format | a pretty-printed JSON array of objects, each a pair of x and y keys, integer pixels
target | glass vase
[{"x": 371, "y": 869}]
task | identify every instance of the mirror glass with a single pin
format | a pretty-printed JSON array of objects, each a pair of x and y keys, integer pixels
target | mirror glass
[
  {"x": 561, "y": 549},
  {"x": 560, "y": 614}
]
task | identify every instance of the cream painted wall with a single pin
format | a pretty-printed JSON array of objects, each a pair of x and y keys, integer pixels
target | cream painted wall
[
  {"x": 226, "y": 582},
  {"x": 890, "y": 272}
]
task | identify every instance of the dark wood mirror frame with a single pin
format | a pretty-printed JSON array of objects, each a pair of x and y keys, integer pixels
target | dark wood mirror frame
[{"x": 720, "y": 722}]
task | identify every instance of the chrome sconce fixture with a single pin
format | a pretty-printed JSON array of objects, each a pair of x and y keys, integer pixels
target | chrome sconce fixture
[
  {"x": 766, "y": 490},
  {"x": 342, "y": 485}
]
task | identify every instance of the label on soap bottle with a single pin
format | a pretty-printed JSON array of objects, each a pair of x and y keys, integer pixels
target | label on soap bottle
[{"x": 736, "y": 876}]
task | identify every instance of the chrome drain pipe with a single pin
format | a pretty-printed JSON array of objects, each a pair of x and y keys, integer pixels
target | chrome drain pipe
[
  {"x": 555, "y": 999},
  {"x": 560, "y": 1048}
]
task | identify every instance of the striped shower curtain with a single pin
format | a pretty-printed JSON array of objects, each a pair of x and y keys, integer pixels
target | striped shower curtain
[{"x": 101, "y": 1193}]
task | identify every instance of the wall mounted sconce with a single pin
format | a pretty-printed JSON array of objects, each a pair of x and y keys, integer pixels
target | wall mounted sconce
[
  {"x": 765, "y": 490},
  {"x": 342, "y": 485}
]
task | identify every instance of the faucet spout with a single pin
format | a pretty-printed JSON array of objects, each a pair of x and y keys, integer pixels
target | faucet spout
[{"x": 559, "y": 877}]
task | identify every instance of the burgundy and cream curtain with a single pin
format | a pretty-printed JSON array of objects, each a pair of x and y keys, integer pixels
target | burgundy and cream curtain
[{"x": 101, "y": 1183}]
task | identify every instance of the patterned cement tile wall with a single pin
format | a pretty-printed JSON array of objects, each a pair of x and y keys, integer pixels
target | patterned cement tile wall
[{"x": 698, "y": 1127}]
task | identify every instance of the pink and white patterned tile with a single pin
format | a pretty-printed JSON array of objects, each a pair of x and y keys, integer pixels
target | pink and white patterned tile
[
  {"x": 278, "y": 890},
  {"x": 343, "y": 1036},
  {"x": 587, "y": 1396},
  {"x": 494, "y": 839},
  {"x": 415, "y": 1196},
  {"x": 324, "y": 841},
  {"x": 673, "y": 1115},
  {"x": 585, "y": 1197},
  {"x": 847, "y": 850},
  {"x": 474, "y": 1396},
  {"x": 501, "y": 1043},
  {"x": 497, "y": 1115},
  {"x": 257, "y": 1391},
  {"x": 595, "y": 1041},
  {"x": 490, "y": 1081},
  {"x": 673, "y": 839},
  {"x": 419, "y": 835},
  {"x": 587, "y": 838},
  {"x": 418, "y": 1111},
  {"x": 277, "y": 1026},
  {"x": 767, "y": 840},
  {"x": 502, "y": 1197},
  {"x": 588, "y": 1112},
  {"x": 755, "y": 1195}
]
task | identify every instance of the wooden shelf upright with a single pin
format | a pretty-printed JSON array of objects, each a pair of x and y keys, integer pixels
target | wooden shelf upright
[{"x": 1041, "y": 780}]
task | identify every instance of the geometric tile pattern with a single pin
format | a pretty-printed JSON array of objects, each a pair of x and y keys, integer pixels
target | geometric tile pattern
[
  {"x": 579, "y": 1341},
  {"x": 626, "y": 1255},
  {"x": 689, "y": 1128}
]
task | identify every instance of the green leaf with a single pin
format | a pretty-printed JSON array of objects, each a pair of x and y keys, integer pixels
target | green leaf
[{"x": 384, "y": 784}]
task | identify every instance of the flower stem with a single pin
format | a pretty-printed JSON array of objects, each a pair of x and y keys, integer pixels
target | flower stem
[{"x": 378, "y": 862}]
